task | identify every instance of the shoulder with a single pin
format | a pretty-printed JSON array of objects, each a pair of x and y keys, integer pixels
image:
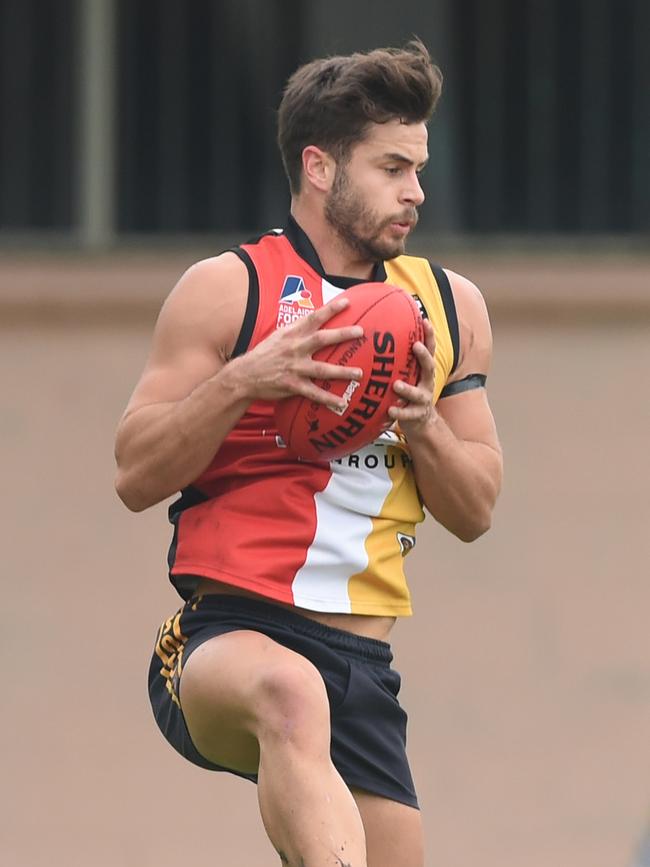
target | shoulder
[
  {"x": 475, "y": 332},
  {"x": 467, "y": 295},
  {"x": 209, "y": 280},
  {"x": 208, "y": 301}
]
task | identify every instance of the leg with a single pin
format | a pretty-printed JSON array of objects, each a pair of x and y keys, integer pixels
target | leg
[
  {"x": 252, "y": 705},
  {"x": 393, "y": 831}
]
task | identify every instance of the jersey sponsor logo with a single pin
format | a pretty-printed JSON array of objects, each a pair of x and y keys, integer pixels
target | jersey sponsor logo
[
  {"x": 365, "y": 460},
  {"x": 406, "y": 543},
  {"x": 295, "y": 301}
]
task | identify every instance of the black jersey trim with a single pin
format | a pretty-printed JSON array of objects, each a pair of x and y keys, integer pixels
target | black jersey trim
[
  {"x": 252, "y": 304},
  {"x": 474, "y": 380},
  {"x": 450, "y": 310},
  {"x": 276, "y": 233},
  {"x": 189, "y": 497}
]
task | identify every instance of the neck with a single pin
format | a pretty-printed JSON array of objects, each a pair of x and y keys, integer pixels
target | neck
[{"x": 335, "y": 255}]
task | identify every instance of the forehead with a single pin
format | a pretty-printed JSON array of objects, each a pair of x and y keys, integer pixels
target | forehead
[{"x": 408, "y": 139}]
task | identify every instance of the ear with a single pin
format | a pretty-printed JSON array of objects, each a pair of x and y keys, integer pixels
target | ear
[{"x": 319, "y": 168}]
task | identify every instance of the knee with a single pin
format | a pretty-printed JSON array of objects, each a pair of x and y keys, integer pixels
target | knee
[{"x": 292, "y": 704}]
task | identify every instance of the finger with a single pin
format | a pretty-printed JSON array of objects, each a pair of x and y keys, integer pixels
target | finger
[
  {"x": 412, "y": 393},
  {"x": 409, "y": 413},
  {"x": 319, "y": 317},
  {"x": 429, "y": 336},
  {"x": 323, "y": 370},
  {"x": 315, "y": 394},
  {"x": 422, "y": 352},
  {"x": 427, "y": 365},
  {"x": 330, "y": 336}
]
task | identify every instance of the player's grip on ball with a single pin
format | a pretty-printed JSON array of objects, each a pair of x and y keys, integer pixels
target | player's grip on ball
[
  {"x": 416, "y": 400},
  {"x": 382, "y": 353},
  {"x": 320, "y": 338}
]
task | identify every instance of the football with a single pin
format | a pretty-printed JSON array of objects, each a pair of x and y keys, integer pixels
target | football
[{"x": 392, "y": 323}]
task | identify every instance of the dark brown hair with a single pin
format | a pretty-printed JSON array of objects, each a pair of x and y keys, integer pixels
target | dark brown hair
[{"x": 331, "y": 102}]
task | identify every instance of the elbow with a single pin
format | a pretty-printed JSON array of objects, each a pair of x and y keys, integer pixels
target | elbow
[
  {"x": 129, "y": 494},
  {"x": 473, "y": 526},
  {"x": 478, "y": 518},
  {"x": 472, "y": 532}
]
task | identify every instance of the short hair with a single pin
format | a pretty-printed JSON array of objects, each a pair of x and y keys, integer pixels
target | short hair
[{"x": 331, "y": 102}]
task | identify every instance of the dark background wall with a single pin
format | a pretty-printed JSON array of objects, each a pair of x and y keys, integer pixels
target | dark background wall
[{"x": 544, "y": 125}]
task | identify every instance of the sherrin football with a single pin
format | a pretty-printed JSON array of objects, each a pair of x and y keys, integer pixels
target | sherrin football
[{"x": 392, "y": 324}]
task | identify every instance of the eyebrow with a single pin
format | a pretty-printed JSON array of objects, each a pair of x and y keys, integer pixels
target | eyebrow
[{"x": 400, "y": 158}]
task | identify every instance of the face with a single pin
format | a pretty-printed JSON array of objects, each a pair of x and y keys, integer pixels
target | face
[{"x": 373, "y": 202}]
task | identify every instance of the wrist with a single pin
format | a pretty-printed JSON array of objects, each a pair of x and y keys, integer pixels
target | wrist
[
  {"x": 234, "y": 383},
  {"x": 424, "y": 428}
]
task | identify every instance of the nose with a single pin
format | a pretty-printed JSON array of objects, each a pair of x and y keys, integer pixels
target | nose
[{"x": 413, "y": 193}]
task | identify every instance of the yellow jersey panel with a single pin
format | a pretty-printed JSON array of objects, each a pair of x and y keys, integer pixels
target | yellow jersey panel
[{"x": 416, "y": 276}]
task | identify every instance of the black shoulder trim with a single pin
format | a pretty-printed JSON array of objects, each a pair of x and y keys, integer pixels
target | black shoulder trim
[
  {"x": 450, "y": 309},
  {"x": 257, "y": 238},
  {"x": 252, "y": 304},
  {"x": 474, "y": 380}
]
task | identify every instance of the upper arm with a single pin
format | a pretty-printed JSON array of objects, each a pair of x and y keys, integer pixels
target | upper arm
[
  {"x": 195, "y": 332},
  {"x": 475, "y": 333},
  {"x": 468, "y": 413}
]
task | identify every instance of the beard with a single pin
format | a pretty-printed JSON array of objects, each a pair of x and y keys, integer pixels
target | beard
[{"x": 359, "y": 226}]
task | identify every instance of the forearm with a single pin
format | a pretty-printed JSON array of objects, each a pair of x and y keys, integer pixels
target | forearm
[
  {"x": 161, "y": 448},
  {"x": 459, "y": 481}
]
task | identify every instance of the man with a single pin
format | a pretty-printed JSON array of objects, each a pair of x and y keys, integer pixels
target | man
[{"x": 278, "y": 666}]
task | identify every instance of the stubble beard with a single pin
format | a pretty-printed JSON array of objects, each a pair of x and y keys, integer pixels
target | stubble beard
[{"x": 357, "y": 225}]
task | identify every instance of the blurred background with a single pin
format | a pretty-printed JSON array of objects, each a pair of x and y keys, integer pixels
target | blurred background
[{"x": 137, "y": 137}]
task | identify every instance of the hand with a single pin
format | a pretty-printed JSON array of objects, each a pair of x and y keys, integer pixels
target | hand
[
  {"x": 417, "y": 409},
  {"x": 281, "y": 365}
]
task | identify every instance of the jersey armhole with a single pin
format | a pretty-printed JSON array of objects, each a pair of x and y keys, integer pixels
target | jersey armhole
[
  {"x": 252, "y": 304},
  {"x": 449, "y": 305}
]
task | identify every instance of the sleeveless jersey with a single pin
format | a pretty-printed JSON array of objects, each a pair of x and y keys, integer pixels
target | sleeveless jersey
[{"x": 325, "y": 536}]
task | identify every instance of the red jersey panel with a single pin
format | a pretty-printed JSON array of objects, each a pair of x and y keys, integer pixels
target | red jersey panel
[{"x": 325, "y": 536}]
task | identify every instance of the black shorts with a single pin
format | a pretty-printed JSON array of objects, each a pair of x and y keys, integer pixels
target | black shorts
[{"x": 368, "y": 745}]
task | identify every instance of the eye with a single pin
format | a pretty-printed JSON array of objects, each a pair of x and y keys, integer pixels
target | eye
[{"x": 393, "y": 170}]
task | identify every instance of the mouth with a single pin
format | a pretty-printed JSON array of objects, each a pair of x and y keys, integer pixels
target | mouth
[
  {"x": 402, "y": 223},
  {"x": 401, "y": 228}
]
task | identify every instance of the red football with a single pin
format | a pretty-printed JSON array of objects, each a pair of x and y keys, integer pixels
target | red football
[{"x": 392, "y": 324}]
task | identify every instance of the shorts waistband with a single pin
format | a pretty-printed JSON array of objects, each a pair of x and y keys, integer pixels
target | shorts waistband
[{"x": 371, "y": 649}]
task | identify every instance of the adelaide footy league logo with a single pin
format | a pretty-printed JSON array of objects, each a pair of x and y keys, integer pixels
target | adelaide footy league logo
[{"x": 294, "y": 302}]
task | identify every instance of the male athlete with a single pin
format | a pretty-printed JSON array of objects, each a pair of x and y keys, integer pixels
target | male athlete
[{"x": 277, "y": 668}]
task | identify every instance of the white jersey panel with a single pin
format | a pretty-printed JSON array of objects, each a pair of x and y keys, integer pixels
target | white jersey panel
[
  {"x": 329, "y": 291},
  {"x": 344, "y": 512}
]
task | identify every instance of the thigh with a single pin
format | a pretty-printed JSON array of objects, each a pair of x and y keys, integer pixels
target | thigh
[
  {"x": 393, "y": 831},
  {"x": 233, "y": 685},
  {"x": 369, "y": 735}
]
